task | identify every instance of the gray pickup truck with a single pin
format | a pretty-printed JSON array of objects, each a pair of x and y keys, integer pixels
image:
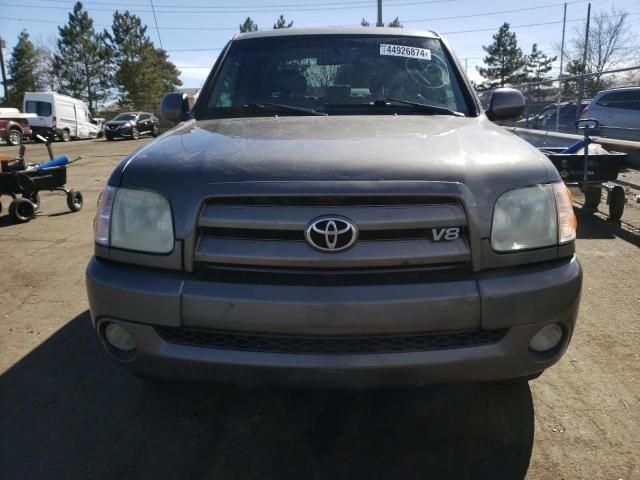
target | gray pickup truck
[{"x": 336, "y": 210}]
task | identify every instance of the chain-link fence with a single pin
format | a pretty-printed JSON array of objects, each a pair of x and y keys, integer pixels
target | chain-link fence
[{"x": 612, "y": 97}]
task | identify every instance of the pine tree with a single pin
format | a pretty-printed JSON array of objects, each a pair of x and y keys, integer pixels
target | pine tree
[
  {"x": 537, "y": 65},
  {"x": 504, "y": 59},
  {"x": 248, "y": 26},
  {"x": 143, "y": 73},
  {"x": 395, "y": 24},
  {"x": 282, "y": 23},
  {"x": 82, "y": 62},
  {"x": 22, "y": 69}
]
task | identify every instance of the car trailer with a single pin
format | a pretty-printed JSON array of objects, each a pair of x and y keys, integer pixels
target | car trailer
[
  {"x": 16, "y": 179},
  {"x": 590, "y": 172}
]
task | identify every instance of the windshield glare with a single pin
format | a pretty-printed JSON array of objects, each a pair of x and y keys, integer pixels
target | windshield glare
[
  {"x": 336, "y": 75},
  {"x": 125, "y": 116}
]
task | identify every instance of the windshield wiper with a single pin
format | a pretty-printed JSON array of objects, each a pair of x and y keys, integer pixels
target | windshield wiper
[
  {"x": 421, "y": 106},
  {"x": 286, "y": 108}
]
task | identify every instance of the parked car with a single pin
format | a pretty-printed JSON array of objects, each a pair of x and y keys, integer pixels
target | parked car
[
  {"x": 618, "y": 111},
  {"x": 14, "y": 126},
  {"x": 306, "y": 232},
  {"x": 132, "y": 125},
  {"x": 546, "y": 118},
  {"x": 59, "y": 116}
]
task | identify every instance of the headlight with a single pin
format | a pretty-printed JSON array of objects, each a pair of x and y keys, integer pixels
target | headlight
[
  {"x": 533, "y": 217},
  {"x": 134, "y": 220}
]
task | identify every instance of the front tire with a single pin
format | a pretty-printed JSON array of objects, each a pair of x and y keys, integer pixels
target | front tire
[
  {"x": 74, "y": 201},
  {"x": 22, "y": 210},
  {"x": 15, "y": 138},
  {"x": 135, "y": 134}
]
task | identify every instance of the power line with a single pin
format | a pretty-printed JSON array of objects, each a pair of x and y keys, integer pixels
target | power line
[
  {"x": 531, "y": 24},
  {"x": 156, "y": 21},
  {"x": 234, "y": 29},
  {"x": 243, "y": 6},
  {"x": 234, "y": 10},
  {"x": 515, "y": 10}
]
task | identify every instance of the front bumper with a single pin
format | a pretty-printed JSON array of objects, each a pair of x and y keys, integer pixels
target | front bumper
[
  {"x": 521, "y": 300},
  {"x": 118, "y": 132}
]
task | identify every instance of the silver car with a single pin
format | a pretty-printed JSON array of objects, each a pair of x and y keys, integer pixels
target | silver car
[{"x": 618, "y": 111}]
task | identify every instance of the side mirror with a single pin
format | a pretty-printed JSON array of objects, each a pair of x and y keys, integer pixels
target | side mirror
[
  {"x": 174, "y": 107},
  {"x": 505, "y": 103}
]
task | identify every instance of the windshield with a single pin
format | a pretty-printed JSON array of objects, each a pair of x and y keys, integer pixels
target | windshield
[
  {"x": 336, "y": 74},
  {"x": 125, "y": 116},
  {"x": 42, "y": 109}
]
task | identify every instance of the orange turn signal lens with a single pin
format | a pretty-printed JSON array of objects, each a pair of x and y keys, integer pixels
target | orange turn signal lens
[{"x": 567, "y": 222}]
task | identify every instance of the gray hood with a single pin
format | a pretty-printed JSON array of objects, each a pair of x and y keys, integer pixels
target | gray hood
[{"x": 200, "y": 158}]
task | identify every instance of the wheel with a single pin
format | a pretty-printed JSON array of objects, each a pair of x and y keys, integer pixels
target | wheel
[
  {"x": 0, "y": 207},
  {"x": 66, "y": 136},
  {"x": 616, "y": 202},
  {"x": 155, "y": 131},
  {"x": 592, "y": 197},
  {"x": 74, "y": 200},
  {"x": 22, "y": 210},
  {"x": 135, "y": 134},
  {"x": 108, "y": 137},
  {"x": 34, "y": 197},
  {"x": 15, "y": 138}
]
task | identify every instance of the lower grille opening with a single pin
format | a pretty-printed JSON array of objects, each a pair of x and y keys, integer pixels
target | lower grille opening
[{"x": 315, "y": 344}]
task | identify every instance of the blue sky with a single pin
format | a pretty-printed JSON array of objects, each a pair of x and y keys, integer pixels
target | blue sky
[{"x": 199, "y": 24}]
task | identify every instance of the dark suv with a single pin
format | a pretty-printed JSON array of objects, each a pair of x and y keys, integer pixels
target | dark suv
[
  {"x": 132, "y": 125},
  {"x": 336, "y": 209}
]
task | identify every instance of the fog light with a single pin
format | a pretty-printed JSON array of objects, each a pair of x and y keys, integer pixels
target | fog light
[
  {"x": 119, "y": 338},
  {"x": 547, "y": 338}
]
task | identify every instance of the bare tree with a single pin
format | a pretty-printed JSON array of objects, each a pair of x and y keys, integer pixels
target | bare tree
[
  {"x": 45, "y": 49},
  {"x": 611, "y": 41}
]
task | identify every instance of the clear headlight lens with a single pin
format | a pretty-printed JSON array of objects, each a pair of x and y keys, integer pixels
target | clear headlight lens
[
  {"x": 134, "y": 220},
  {"x": 525, "y": 218}
]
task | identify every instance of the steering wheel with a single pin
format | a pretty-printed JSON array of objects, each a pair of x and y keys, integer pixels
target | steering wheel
[{"x": 428, "y": 74}]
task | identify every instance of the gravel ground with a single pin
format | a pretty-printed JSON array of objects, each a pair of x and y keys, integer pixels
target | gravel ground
[{"x": 66, "y": 411}]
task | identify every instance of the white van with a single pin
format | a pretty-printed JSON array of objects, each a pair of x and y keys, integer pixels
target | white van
[{"x": 59, "y": 116}]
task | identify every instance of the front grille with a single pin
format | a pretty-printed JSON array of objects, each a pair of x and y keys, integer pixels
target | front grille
[
  {"x": 312, "y": 344},
  {"x": 298, "y": 235},
  {"x": 269, "y": 232}
]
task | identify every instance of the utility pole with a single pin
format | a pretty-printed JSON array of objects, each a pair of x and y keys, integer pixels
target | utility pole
[
  {"x": 584, "y": 64},
  {"x": 379, "y": 22},
  {"x": 7, "y": 99},
  {"x": 564, "y": 25}
]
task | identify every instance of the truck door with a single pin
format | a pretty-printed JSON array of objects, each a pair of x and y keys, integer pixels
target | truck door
[{"x": 81, "y": 122}]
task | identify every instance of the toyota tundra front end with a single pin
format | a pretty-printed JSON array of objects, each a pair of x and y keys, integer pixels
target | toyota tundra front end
[{"x": 336, "y": 209}]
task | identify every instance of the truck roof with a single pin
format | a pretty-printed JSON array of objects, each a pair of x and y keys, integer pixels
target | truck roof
[{"x": 365, "y": 31}]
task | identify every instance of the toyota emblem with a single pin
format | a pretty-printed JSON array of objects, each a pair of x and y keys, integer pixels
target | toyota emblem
[{"x": 331, "y": 234}]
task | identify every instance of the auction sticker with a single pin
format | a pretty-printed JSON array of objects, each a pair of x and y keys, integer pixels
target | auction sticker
[{"x": 403, "y": 51}]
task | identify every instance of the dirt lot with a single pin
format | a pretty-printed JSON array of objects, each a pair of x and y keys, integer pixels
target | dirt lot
[{"x": 67, "y": 412}]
